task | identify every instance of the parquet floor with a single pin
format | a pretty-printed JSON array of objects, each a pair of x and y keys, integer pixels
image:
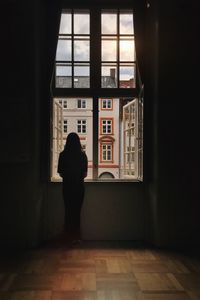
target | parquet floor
[{"x": 99, "y": 271}]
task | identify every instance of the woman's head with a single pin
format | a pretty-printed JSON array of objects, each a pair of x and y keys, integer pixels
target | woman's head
[{"x": 73, "y": 142}]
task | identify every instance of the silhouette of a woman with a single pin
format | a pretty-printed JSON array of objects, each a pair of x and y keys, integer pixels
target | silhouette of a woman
[{"x": 72, "y": 167}]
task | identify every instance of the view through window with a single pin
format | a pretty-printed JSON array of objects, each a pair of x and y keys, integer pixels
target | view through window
[{"x": 110, "y": 127}]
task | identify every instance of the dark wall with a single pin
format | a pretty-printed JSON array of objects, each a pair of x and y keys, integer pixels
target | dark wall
[{"x": 173, "y": 193}]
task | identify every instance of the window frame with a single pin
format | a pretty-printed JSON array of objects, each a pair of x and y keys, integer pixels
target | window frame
[
  {"x": 106, "y": 101},
  {"x": 82, "y": 103},
  {"x": 65, "y": 126},
  {"x": 106, "y": 125},
  {"x": 82, "y": 125},
  {"x": 95, "y": 90},
  {"x": 111, "y": 150}
]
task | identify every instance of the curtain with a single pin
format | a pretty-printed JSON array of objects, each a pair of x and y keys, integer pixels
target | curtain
[
  {"x": 139, "y": 27},
  {"x": 50, "y": 20}
]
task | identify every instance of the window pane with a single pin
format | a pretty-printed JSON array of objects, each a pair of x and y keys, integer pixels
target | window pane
[
  {"x": 63, "y": 76},
  {"x": 113, "y": 139},
  {"x": 108, "y": 76},
  {"x": 127, "y": 50},
  {"x": 109, "y": 50},
  {"x": 81, "y": 76},
  {"x": 126, "y": 24},
  {"x": 109, "y": 23},
  {"x": 74, "y": 120},
  {"x": 127, "y": 76},
  {"x": 81, "y": 50},
  {"x": 81, "y": 23},
  {"x": 63, "y": 52},
  {"x": 65, "y": 23}
]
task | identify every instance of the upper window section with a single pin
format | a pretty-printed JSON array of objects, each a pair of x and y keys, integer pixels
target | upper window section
[
  {"x": 117, "y": 49},
  {"x": 107, "y": 51},
  {"x": 73, "y": 50}
]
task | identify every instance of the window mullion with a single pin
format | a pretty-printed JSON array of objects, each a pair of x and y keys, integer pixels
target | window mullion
[
  {"x": 95, "y": 136},
  {"x": 72, "y": 20},
  {"x": 95, "y": 49},
  {"x": 95, "y": 78},
  {"x": 118, "y": 49}
]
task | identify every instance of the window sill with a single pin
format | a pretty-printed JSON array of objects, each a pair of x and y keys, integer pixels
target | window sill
[{"x": 54, "y": 180}]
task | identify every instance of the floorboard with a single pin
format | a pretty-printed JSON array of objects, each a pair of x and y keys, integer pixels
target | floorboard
[{"x": 99, "y": 271}]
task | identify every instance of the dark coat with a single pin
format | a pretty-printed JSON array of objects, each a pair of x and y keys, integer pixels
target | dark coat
[{"x": 72, "y": 166}]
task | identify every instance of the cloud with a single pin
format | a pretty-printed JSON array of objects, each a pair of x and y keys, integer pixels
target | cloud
[
  {"x": 126, "y": 24},
  {"x": 109, "y": 23},
  {"x": 81, "y": 51}
]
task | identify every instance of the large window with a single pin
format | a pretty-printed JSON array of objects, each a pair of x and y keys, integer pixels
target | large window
[{"x": 96, "y": 92}]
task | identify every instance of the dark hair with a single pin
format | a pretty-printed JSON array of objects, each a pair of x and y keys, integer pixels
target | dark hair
[{"x": 73, "y": 142}]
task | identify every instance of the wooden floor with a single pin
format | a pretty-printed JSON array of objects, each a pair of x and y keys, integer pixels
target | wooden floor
[{"x": 99, "y": 271}]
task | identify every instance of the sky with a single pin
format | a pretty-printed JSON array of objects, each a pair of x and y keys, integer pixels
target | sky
[{"x": 109, "y": 47}]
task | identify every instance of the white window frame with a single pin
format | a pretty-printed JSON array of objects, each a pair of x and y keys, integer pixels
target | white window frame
[
  {"x": 65, "y": 126},
  {"x": 107, "y": 124},
  {"x": 108, "y": 104},
  {"x": 106, "y": 151},
  {"x": 133, "y": 139},
  {"x": 81, "y": 126}
]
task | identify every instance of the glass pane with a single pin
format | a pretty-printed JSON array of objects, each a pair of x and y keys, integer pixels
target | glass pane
[
  {"x": 112, "y": 141},
  {"x": 109, "y": 76},
  {"x": 127, "y": 77},
  {"x": 65, "y": 23},
  {"x": 108, "y": 23},
  {"x": 81, "y": 23},
  {"x": 126, "y": 24},
  {"x": 63, "y": 76},
  {"x": 77, "y": 121},
  {"x": 127, "y": 50},
  {"x": 81, "y": 77},
  {"x": 63, "y": 52},
  {"x": 109, "y": 50},
  {"x": 81, "y": 50}
]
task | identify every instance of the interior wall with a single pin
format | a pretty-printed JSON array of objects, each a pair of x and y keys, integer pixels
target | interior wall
[
  {"x": 172, "y": 188},
  {"x": 111, "y": 211},
  {"x": 19, "y": 127}
]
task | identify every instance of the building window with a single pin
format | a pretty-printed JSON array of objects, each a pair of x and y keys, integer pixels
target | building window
[
  {"x": 106, "y": 152},
  {"x": 81, "y": 103},
  {"x": 63, "y": 103},
  {"x": 95, "y": 88},
  {"x": 106, "y": 126},
  {"x": 106, "y": 104},
  {"x": 81, "y": 126},
  {"x": 65, "y": 126}
]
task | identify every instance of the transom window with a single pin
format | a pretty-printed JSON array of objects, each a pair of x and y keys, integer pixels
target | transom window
[
  {"x": 97, "y": 94},
  {"x": 117, "y": 49},
  {"x": 73, "y": 50}
]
